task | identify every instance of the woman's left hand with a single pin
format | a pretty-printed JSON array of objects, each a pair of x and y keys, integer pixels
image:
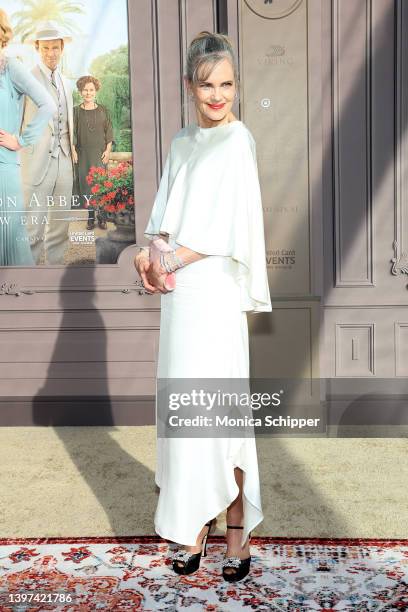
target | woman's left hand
[
  {"x": 9, "y": 141},
  {"x": 105, "y": 157},
  {"x": 156, "y": 276}
]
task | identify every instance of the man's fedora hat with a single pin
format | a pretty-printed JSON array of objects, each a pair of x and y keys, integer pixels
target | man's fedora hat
[{"x": 49, "y": 30}]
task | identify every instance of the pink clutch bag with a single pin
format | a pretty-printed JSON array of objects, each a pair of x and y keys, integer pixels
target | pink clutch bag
[{"x": 157, "y": 247}]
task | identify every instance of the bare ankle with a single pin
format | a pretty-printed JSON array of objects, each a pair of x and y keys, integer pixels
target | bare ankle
[{"x": 235, "y": 518}]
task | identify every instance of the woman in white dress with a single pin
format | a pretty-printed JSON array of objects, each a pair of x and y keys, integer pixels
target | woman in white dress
[{"x": 209, "y": 206}]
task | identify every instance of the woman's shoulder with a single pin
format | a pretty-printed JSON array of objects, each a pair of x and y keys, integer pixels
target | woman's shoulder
[
  {"x": 102, "y": 109},
  {"x": 237, "y": 138},
  {"x": 180, "y": 138},
  {"x": 235, "y": 128},
  {"x": 242, "y": 132},
  {"x": 234, "y": 136},
  {"x": 183, "y": 133},
  {"x": 243, "y": 136}
]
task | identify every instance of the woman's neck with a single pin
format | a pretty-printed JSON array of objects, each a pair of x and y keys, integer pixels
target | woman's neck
[{"x": 89, "y": 105}]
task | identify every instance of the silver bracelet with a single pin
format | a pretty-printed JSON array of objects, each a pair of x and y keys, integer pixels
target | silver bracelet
[{"x": 171, "y": 262}]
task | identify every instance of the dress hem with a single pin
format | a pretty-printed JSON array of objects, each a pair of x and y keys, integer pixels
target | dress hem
[{"x": 216, "y": 513}]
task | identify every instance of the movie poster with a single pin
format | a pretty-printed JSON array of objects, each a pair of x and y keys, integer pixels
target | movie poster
[{"x": 77, "y": 179}]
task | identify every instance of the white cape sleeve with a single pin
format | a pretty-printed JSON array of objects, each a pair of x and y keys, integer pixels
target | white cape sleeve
[
  {"x": 211, "y": 203},
  {"x": 159, "y": 206}
]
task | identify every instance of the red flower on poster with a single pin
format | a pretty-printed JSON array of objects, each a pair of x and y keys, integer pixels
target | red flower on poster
[{"x": 112, "y": 190}]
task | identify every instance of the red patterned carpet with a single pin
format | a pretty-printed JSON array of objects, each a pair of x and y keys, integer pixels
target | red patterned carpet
[{"x": 115, "y": 574}]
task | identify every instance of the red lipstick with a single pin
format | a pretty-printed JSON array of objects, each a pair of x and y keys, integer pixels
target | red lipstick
[{"x": 216, "y": 106}]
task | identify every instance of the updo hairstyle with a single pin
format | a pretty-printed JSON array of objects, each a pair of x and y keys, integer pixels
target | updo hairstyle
[{"x": 205, "y": 51}]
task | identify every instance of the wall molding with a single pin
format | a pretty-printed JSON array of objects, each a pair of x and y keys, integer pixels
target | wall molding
[
  {"x": 400, "y": 259},
  {"x": 341, "y": 279}
]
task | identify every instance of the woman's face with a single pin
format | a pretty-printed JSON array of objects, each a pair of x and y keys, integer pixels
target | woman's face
[
  {"x": 89, "y": 92},
  {"x": 215, "y": 96}
]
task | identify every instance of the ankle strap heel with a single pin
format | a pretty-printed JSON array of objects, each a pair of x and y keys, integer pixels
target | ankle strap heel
[
  {"x": 234, "y": 527},
  {"x": 234, "y": 568}
]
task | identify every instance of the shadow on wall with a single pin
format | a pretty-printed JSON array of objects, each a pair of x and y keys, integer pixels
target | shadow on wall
[{"x": 112, "y": 474}]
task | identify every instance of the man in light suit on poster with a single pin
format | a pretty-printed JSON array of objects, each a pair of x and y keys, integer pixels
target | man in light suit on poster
[{"x": 47, "y": 167}]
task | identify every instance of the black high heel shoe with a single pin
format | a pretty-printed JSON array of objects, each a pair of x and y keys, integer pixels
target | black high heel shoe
[
  {"x": 185, "y": 562},
  {"x": 239, "y": 566}
]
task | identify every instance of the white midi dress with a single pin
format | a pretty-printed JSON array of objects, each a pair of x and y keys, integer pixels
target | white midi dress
[{"x": 209, "y": 200}]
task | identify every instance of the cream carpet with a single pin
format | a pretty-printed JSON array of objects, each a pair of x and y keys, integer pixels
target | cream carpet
[{"x": 83, "y": 481}]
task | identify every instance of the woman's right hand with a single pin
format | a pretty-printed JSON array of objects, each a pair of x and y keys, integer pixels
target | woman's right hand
[
  {"x": 74, "y": 156},
  {"x": 157, "y": 276},
  {"x": 9, "y": 141},
  {"x": 142, "y": 264}
]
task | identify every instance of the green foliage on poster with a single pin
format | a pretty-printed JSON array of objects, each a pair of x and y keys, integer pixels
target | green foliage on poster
[
  {"x": 38, "y": 11},
  {"x": 112, "y": 69}
]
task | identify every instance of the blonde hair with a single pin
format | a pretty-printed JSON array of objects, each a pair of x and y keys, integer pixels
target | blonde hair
[
  {"x": 204, "y": 52},
  {"x": 6, "y": 33}
]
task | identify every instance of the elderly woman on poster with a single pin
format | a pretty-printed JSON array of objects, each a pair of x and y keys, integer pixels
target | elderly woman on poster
[
  {"x": 209, "y": 205},
  {"x": 15, "y": 83},
  {"x": 93, "y": 136}
]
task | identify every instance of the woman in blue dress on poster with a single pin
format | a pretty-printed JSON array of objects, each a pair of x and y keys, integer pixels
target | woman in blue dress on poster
[{"x": 15, "y": 83}]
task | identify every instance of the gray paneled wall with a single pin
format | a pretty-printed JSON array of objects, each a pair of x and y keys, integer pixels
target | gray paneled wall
[
  {"x": 318, "y": 93},
  {"x": 280, "y": 60},
  {"x": 364, "y": 173}
]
